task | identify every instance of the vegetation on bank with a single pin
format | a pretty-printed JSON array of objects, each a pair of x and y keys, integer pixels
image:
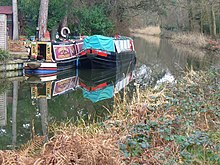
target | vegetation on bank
[
  {"x": 194, "y": 43},
  {"x": 4, "y": 55},
  {"x": 174, "y": 123},
  {"x": 87, "y": 18}
]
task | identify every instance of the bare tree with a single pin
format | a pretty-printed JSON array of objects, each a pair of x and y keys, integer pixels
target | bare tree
[{"x": 42, "y": 19}]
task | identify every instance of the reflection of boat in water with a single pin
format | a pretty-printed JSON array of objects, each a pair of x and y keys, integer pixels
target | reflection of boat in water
[
  {"x": 96, "y": 84},
  {"x": 53, "y": 85},
  {"x": 101, "y": 84}
]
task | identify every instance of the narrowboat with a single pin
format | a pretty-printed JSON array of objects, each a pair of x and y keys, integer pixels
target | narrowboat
[
  {"x": 102, "y": 52},
  {"x": 51, "y": 57}
]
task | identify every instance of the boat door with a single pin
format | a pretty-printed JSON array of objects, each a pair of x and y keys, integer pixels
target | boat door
[{"x": 41, "y": 51}]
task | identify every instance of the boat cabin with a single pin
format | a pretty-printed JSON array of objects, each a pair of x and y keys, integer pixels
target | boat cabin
[{"x": 41, "y": 51}]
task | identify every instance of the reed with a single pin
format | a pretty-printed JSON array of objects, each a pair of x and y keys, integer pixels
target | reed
[
  {"x": 197, "y": 40},
  {"x": 149, "y": 30}
]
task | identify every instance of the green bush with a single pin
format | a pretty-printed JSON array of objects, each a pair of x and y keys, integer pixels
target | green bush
[
  {"x": 4, "y": 55},
  {"x": 93, "y": 21}
]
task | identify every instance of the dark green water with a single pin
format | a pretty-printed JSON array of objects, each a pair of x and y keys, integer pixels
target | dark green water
[{"x": 29, "y": 104}]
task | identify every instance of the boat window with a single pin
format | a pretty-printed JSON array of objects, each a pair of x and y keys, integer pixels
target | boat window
[{"x": 42, "y": 51}]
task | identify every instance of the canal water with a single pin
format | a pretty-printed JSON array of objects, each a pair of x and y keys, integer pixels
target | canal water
[{"x": 28, "y": 105}]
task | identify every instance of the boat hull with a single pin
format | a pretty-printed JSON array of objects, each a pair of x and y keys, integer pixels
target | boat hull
[
  {"x": 109, "y": 60},
  {"x": 48, "y": 67},
  {"x": 38, "y": 68}
]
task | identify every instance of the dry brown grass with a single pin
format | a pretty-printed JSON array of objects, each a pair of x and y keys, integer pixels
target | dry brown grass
[
  {"x": 197, "y": 40},
  {"x": 71, "y": 145},
  {"x": 150, "y": 30}
]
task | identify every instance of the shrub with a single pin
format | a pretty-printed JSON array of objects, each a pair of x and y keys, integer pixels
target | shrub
[{"x": 4, "y": 55}]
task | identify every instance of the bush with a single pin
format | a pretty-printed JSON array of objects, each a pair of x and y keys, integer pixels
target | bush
[
  {"x": 4, "y": 55},
  {"x": 93, "y": 21}
]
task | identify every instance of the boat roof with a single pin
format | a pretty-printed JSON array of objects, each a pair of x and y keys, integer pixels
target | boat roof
[{"x": 99, "y": 42}]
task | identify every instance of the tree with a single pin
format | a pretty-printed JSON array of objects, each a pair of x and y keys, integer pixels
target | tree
[
  {"x": 15, "y": 19},
  {"x": 42, "y": 19}
]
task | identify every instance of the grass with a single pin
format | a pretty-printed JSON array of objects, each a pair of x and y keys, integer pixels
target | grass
[
  {"x": 172, "y": 124},
  {"x": 197, "y": 40}
]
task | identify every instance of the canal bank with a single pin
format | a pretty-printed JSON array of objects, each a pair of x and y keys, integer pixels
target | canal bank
[
  {"x": 11, "y": 68},
  {"x": 11, "y": 65}
]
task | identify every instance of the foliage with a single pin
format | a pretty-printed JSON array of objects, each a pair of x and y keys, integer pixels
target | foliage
[
  {"x": 29, "y": 10},
  {"x": 184, "y": 117},
  {"x": 93, "y": 21},
  {"x": 57, "y": 10},
  {"x": 4, "y": 55},
  {"x": 5, "y": 3}
]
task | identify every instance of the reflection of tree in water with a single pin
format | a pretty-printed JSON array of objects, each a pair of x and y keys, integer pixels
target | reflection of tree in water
[
  {"x": 73, "y": 106},
  {"x": 22, "y": 118},
  {"x": 43, "y": 107},
  {"x": 14, "y": 114},
  {"x": 155, "y": 61}
]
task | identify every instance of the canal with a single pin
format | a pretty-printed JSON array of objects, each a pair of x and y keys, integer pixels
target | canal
[{"x": 29, "y": 105}]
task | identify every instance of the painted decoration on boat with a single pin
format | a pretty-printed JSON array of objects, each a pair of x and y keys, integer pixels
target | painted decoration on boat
[
  {"x": 63, "y": 52},
  {"x": 65, "y": 85},
  {"x": 79, "y": 46},
  {"x": 123, "y": 45}
]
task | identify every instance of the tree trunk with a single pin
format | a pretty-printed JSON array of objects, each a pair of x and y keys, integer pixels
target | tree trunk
[
  {"x": 190, "y": 15},
  {"x": 201, "y": 21},
  {"x": 213, "y": 23},
  {"x": 64, "y": 21},
  {"x": 42, "y": 20},
  {"x": 15, "y": 19}
]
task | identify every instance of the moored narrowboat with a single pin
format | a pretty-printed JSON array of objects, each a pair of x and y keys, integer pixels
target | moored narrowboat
[
  {"x": 50, "y": 57},
  {"x": 106, "y": 52}
]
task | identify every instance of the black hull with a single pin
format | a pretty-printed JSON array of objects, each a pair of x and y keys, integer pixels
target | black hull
[
  {"x": 65, "y": 65},
  {"x": 94, "y": 77},
  {"x": 93, "y": 61}
]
